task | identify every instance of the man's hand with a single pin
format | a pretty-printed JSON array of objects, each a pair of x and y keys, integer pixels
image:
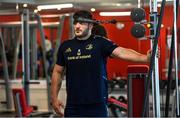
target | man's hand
[
  {"x": 57, "y": 106},
  {"x": 149, "y": 54},
  {"x": 55, "y": 88}
]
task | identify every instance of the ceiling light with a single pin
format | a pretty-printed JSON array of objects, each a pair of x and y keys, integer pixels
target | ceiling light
[
  {"x": 127, "y": 4},
  {"x": 55, "y": 6},
  {"x": 17, "y": 6},
  {"x": 59, "y": 8},
  {"x": 162, "y": 25},
  {"x": 24, "y": 5},
  {"x": 118, "y": 4},
  {"x": 67, "y": 14},
  {"x": 158, "y": 5},
  {"x": 114, "y": 13},
  {"x": 39, "y": 9},
  {"x": 119, "y": 25},
  {"x": 93, "y": 9},
  {"x": 35, "y": 11}
]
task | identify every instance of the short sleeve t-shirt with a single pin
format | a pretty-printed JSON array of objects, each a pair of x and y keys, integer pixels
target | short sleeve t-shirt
[{"x": 85, "y": 62}]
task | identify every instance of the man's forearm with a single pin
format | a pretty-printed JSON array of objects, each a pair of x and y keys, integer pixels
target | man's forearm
[
  {"x": 130, "y": 55},
  {"x": 138, "y": 57},
  {"x": 55, "y": 85},
  {"x": 59, "y": 85}
]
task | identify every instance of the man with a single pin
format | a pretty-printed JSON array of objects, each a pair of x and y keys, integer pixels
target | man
[{"x": 84, "y": 58}]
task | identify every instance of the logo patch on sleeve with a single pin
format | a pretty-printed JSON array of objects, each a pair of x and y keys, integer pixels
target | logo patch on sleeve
[{"x": 68, "y": 50}]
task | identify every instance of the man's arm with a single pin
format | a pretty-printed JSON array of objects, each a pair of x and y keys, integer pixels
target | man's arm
[
  {"x": 130, "y": 55},
  {"x": 56, "y": 81}
]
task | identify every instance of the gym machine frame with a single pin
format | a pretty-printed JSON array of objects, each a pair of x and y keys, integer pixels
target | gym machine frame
[
  {"x": 155, "y": 73},
  {"x": 173, "y": 52},
  {"x": 26, "y": 24},
  {"x": 6, "y": 73},
  {"x": 37, "y": 17},
  {"x": 152, "y": 65}
]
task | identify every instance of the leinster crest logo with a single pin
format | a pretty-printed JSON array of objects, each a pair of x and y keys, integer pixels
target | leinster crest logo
[{"x": 89, "y": 47}]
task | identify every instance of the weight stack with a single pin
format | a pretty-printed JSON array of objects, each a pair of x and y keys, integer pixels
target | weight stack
[{"x": 137, "y": 75}]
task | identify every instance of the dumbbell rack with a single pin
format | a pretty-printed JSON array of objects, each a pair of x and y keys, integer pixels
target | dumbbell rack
[
  {"x": 122, "y": 91},
  {"x": 117, "y": 87}
]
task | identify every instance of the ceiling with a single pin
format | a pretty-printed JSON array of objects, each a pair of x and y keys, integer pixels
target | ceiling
[{"x": 103, "y": 5}]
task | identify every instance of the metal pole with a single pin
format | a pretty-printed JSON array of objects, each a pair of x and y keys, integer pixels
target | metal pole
[
  {"x": 48, "y": 81},
  {"x": 153, "y": 56},
  {"x": 25, "y": 52},
  {"x": 6, "y": 74},
  {"x": 156, "y": 68},
  {"x": 58, "y": 41},
  {"x": 168, "y": 92},
  {"x": 33, "y": 47},
  {"x": 152, "y": 80},
  {"x": 175, "y": 54},
  {"x": 71, "y": 32},
  {"x": 170, "y": 68},
  {"x": 16, "y": 52}
]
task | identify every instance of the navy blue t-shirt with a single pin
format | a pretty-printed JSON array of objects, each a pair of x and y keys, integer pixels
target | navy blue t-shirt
[{"x": 85, "y": 62}]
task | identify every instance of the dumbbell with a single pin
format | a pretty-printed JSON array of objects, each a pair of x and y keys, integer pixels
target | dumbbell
[
  {"x": 122, "y": 83},
  {"x": 111, "y": 85},
  {"x": 122, "y": 99}
]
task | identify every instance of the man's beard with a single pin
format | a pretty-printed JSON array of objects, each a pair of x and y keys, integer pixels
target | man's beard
[{"x": 84, "y": 34}]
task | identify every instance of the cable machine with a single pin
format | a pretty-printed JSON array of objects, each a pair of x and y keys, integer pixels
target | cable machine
[{"x": 153, "y": 65}]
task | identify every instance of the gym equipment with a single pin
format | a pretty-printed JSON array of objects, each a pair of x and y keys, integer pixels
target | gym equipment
[
  {"x": 138, "y": 31},
  {"x": 26, "y": 52},
  {"x": 22, "y": 109},
  {"x": 152, "y": 65},
  {"x": 115, "y": 83},
  {"x": 122, "y": 105},
  {"x": 121, "y": 83},
  {"x": 138, "y": 14},
  {"x": 48, "y": 81},
  {"x": 116, "y": 107},
  {"x": 175, "y": 10},
  {"x": 28, "y": 28},
  {"x": 122, "y": 99},
  {"x": 137, "y": 75},
  {"x": 16, "y": 52},
  {"x": 155, "y": 73},
  {"x": 21, "y": 106},
  {"x": 113, "y": 21},
  {"x": 172, "y": 51},
  {"x": 6, "y": 74},
  {"x": 111, "y": 85},
  {"x": 162, "y": 84},
  {"x": 25, "y": 45},
  {"x": 59, "y": 36}
]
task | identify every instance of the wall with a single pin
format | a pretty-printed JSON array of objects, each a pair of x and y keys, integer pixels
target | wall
[{"x": 124, "y": 38}]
